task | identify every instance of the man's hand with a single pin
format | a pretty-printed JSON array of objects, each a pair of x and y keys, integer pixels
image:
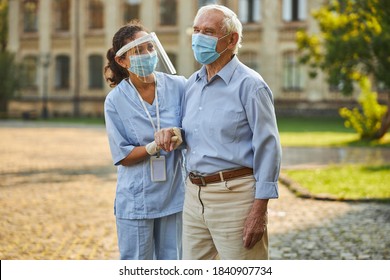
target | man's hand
[
  {"x": 255, "y": 223},
  {"x": 168, "y": 139}
]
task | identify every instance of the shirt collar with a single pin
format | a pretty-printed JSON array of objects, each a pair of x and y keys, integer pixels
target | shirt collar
[{"x": 225, "y": 73}]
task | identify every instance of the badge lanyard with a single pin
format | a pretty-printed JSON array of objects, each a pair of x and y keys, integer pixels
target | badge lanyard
[
  {"x": 157, "y": 163},
  {"x": 157, "y": 107}
]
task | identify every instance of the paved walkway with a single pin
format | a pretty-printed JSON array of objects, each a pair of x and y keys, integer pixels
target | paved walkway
[{"x": 57, "y": 188}]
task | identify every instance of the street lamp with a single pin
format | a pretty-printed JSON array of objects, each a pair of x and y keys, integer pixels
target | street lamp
[{"x": 45, "y": 62}]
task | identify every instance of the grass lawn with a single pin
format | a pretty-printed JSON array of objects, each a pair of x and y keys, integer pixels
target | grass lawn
[
  {"x": 341, "y": 181},
  {"x": 322, "y": 132},
  {"x": 346, "y": 182}
]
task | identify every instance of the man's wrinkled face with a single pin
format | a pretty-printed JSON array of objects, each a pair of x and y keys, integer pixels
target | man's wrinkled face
[{"x": 210, "y": 23}]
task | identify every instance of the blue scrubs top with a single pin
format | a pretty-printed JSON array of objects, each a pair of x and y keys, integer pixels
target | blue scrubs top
[{"x": 128, "y": 126}]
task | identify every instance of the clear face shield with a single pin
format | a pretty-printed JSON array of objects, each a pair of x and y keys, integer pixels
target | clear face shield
[{"x": 146, "y": 55}]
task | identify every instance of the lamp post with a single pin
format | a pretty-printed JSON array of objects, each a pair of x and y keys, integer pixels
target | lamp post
[{"x": 45, "y": 62}]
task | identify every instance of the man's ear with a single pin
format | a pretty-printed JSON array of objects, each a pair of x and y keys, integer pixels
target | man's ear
[{"x": 233, "y": 40}]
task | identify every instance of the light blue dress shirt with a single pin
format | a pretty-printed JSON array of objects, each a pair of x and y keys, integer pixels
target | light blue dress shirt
[
  {"x": 128, "y": 126},
  {"x": 229, "y": 122}
]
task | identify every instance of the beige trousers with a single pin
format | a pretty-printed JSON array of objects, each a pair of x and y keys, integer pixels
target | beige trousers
[{"x": 213, "y": 221}]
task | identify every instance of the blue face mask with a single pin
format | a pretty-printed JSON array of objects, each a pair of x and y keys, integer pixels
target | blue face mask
[
  {"x": 204, "y": 48},
  {"x": 144, "y": 64}
]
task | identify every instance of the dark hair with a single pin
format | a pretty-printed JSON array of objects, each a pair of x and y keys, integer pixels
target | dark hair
[{"x": 113, "y": 72}]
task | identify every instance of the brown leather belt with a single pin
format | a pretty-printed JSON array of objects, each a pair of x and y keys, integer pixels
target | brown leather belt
[{"x": 220, "y": 176}]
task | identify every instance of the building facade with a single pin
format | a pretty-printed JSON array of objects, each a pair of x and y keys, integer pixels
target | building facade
[{"x": 63, "y": 43}]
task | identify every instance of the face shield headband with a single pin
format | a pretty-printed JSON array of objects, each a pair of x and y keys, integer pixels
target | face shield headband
[{"x": 162, "y": 55}]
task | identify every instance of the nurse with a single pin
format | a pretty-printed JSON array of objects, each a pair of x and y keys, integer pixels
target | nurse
[{"x": 150, "y": 186}]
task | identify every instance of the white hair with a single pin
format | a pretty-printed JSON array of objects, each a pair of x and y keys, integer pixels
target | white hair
[{"x": 231, "y": 23}]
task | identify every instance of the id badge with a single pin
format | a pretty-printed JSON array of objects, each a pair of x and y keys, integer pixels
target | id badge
[{"x": 158, "y": 169}]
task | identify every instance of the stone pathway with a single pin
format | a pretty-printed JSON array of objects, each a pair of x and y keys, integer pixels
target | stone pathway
[
  {"x": 307, "y": 229},
  {"x": 57, "y": 187}
]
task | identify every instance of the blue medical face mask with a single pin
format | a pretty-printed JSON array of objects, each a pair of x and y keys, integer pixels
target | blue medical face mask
[
  {"x": 144, "y": 64},
  {"x": 204, "y": 48}
]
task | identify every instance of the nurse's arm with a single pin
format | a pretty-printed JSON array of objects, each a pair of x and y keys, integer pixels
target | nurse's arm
[{"x": 137, "y": 155}]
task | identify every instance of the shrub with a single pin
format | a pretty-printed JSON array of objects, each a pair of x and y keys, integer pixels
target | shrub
[{"x": 366, "y": 121}]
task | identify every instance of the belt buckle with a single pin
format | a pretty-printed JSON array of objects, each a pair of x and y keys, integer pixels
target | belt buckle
[{"x": 193, "y": 176}]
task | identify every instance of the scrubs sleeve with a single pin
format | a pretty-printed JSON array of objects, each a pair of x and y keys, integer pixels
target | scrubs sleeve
[
  {"x": 265, "y": 143},
  {"x": 117, "y": 137}
]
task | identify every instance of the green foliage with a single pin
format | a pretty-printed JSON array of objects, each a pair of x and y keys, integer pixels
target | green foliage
[
  {"x": 9, "y": 79},
  {"x": 9, "y": 70},
  {"x": 366, "y": 121},
  {"x": 354, "y": 41},
  {"x": 3, "y": 24}
]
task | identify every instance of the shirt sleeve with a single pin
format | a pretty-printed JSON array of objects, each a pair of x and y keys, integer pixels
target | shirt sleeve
[
  {"x": 265, "y": 143},
  {"x": 119, "y": 145}
]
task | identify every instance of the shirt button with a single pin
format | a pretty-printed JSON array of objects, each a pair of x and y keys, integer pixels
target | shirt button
[{"x": 200, "y": 108}]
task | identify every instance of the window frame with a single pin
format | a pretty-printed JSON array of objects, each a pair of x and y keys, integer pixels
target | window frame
[
  {"x": 62, "y": 76},
  {"x": 293, "y": 75},
  {"x": 30, "y": 72},
  {"x": 30, "y": 16},
  {"x": 93, "y": 70},
  {"x": 294, "y": 10},
  {"x": 166, "y": 19},
  {"x": 247, "y": 11},
  {"x": 128, "y": 14},
  {"x": 62, "y": 22},
  {"x": 95, "y": 10}
]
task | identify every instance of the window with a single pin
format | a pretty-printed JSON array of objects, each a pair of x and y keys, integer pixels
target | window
[
  {"x": 249, "y": 59},
  {"x": 62, "y": 15},
  {"x": 249, "y": 11},
  {"x": 168, "y": 12},
  {"x": 30, "y": 16},
  {"x": 293, "y": 75},
  {"x": 294, "y": 10},
  {"x": 205, "y": 2},
  {"x": 131, "y": 10},
  {"x": 95, "y": 63},
  {"x": 96, "y": 14},
  {"x": 29, "y": 76},
  {"x": 62, "y": 72}
]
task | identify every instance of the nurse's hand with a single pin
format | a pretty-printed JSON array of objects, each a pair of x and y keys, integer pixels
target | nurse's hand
[
  {"x": 152, "y": 148},
  {"x": 168, "y": 139}
]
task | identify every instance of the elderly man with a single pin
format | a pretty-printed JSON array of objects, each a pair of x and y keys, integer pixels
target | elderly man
[{"x": 233, "y": 147}]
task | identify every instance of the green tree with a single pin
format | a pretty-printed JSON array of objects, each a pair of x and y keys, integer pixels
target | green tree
[
  {"x": 9, "y": 70},
  {"x": 353, "y": 43},
  {"x": 3, "y": 25}
]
